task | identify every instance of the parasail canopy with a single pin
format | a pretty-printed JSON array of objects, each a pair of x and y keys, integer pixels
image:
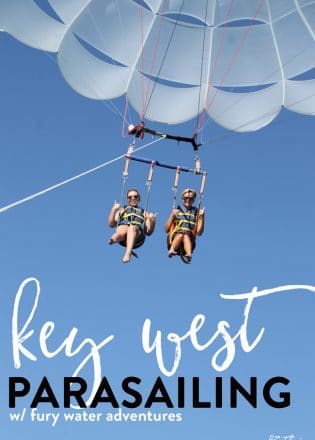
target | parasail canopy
[{"x": 240, "y": 61}]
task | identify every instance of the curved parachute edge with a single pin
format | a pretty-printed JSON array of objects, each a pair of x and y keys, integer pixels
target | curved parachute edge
[
  {"x": 143, "y": 51},
  {"x": 244, "y": 112},
  {"x": 27, "y": 23},
  {"x": 88, "y": 75},
  {"x": 300, "y": 96},
  {"x": 166, "y": 105}
]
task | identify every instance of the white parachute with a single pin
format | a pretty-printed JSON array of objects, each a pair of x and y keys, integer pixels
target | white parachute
[{"x": 240, "y": 61}]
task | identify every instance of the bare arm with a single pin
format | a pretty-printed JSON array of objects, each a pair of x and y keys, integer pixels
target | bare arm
[
  {"x": 201, "y": 222},
  {"x": 150, "y": 220},
  {"x": 114, "y": 214},
  {"x": 170, "y": 220}
]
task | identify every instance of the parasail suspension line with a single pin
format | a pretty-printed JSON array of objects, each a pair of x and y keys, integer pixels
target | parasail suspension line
[
  {"x": 177, "y": 168},
  {"x": 230, "y": 64},
  {"x": 200, "y": 196},
  {"x": 148, "y": 184},
  {"x": 202, "y": 188},
  {"x": 146, "y": 101},
  {"x": 197, "y": 164},
  {"x": 125, "y": 172},
  {"x": 175, "y": 186}
]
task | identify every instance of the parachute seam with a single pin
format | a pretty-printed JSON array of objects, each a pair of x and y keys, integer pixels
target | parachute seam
[
  {"x": 163, "y": 59},
  {"x": 33, "y": 42},
  {"x": 59, "y": 56},
  {"x": 114, "y": 108},
  {"x": 244, "y": 95},
  {"x": 212, "y": 71},
  {"x": 142, "y": 63},
  {"x": 269, "y": 113},
  {"x": 184, "y": 24},
  {"x": 304, "y": 19},
  {"x": 108, "y": 103},
  {"x": 232, "y": 61},
  {"x": 154, "y": 56},
  {"x": 293, "y": 11},
  {"x": 133, "y": 68},
  {"x": 116, "y": 60},
  {"x": 69, "y": 25},
  {"x": 209, "y": 59},
  {"x": 202, "y": 63},
  {"x": 123, "y": 32},
  {"x": 277, "y": 52}
]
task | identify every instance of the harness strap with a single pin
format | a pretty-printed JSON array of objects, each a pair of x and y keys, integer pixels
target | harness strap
[
  {"x": 149, "y": 183},
  {"x": 194, "y": 232},
  {"x": 175, "y": 185},
  {"x": 133, "y": 216},
  {"x": 177, "y": 225},
  {"x": 125, "y": 172}
]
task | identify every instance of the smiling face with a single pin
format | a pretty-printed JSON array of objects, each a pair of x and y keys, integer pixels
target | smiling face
[
  {"x": 188, "y": 198},
  {"x": 133, "y": 198}
]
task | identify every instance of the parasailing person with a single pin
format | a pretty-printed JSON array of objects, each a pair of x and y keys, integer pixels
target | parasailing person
[
  {"x": 133, "y": 224},
  {"x": 183, "y": 224}
]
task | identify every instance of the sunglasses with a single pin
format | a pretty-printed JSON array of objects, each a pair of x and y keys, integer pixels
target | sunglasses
[
  {"x": 133, "y": 196},
  {"x": 188, "y": 198}
]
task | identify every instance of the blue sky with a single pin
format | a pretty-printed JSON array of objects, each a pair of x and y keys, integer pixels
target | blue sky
[{"x": 259, "y": 232}]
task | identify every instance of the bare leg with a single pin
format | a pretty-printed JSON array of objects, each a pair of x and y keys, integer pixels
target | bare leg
[
  {"x": 187, "y": 246},
  {"x": 178, "y": 239},
  {"x": 132, "y": 235},
  {"x": 119, "y": 235}
]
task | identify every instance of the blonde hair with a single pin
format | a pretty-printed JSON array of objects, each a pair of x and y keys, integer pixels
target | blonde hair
[{"x": 189, "y": 190}]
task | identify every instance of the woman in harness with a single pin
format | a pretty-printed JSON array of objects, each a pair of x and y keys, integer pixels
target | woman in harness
[
  {"x": 183, "y": 225},
  {"x": 132, "y": 222}
]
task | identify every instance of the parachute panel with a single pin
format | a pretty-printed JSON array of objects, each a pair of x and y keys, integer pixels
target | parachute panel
[
  {"x": 113, "y": 28},
  {"x": 252, "y": 9},
  {"x": 28, "y": 23},
  {"x": 251, "y": 64},
  {"x": 203, "y": 10},
  {"x": 154, "y": 4},
  {"x": 170, "y": 105},
  {"x": 175, "y": 54},
  {"x": 88, "y": 75},
  {"x": 308, "y": 14},
  {"x": 68, "y": 10},
  {"x": 246, "y": 111},
  {"x": 296, "y": 44},
  {"x": 300, "y": 96},
  {"x": 166, "y": 54},
  {"x": 281, "y": 8}
]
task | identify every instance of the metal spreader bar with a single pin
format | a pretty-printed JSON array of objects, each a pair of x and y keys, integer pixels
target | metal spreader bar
[
  {"x": 139, "y": 130},
  {"x": 165, "y": 165}
]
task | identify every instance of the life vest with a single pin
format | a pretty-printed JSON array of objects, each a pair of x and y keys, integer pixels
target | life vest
[
  {"x": 186, "y": 221},
  {"x": 132, "y": 216}
]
